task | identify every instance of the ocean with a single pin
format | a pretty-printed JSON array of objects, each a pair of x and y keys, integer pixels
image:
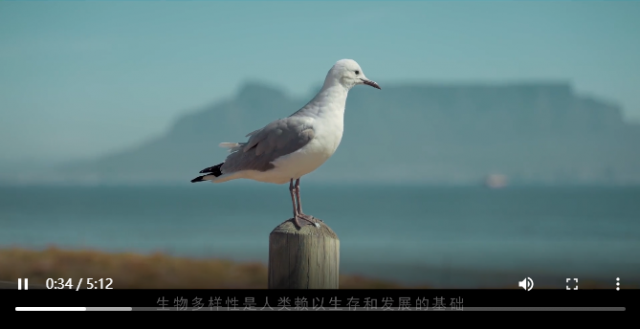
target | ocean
[{"x": 444, "y": 237}]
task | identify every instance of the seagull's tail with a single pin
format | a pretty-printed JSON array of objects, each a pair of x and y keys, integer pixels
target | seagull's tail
[
  {"x": 214, "y": 170},
  {"x": 212, "y": 173},
  {"x": 203, "y": 178},
  {"x": 219, "y": 179}
]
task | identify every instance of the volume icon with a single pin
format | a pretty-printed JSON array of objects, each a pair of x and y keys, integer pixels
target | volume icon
[{"x": 526, "y": 284}]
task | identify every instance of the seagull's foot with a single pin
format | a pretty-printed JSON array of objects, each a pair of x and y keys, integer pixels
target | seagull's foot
[
  {"x": 311, "y": 218},
  {"x": 302, "y": 220}
]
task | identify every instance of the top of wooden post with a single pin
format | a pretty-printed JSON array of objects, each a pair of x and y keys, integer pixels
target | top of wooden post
[{"x": 288, "y": 227}]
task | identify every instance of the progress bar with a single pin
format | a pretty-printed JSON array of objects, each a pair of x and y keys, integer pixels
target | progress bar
[
  {"x": 74, "y": 308},
  {"x": 205, "y": 309},
  {"x": 544, "y": 309}
]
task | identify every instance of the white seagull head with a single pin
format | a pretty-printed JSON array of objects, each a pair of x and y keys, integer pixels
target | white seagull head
[{"x": 349, "y": 74}]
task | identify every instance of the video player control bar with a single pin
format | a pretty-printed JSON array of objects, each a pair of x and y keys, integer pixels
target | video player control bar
[{"x": 590, "y": 309}]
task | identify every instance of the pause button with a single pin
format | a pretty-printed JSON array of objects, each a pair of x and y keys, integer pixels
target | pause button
[{"x": 26, "y": 284}]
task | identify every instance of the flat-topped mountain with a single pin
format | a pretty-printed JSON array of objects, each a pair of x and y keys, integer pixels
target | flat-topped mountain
[{"x": 537, "y": 133}]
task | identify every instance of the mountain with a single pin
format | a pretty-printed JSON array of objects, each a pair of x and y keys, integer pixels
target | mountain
[{"x": 537, "y": 133}]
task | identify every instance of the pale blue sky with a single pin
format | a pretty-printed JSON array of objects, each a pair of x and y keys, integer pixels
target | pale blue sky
[{"x": 78, "y": 79}]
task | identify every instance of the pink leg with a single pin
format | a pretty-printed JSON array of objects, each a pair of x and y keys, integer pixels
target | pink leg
[{"x": 297, "y": 216}]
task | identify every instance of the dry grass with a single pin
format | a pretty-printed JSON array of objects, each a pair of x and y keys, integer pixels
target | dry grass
[
  {"x": 159, "y": 271},
  {"x": 136, "y": 271}
]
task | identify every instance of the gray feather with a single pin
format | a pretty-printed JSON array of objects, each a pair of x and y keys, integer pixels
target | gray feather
[{"x": 265, "y": 145}]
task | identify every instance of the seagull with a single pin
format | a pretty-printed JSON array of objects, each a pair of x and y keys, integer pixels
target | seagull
[{"x": 289, "y": 148}]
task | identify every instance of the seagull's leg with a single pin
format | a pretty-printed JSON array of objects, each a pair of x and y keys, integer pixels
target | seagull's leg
[
  {"x": 293, "y": 201},
  {"x": 300, "y": 213},
  {"x": 297, "y": 189}
]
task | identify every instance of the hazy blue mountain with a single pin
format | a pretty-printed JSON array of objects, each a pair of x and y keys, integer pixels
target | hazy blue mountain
[{"x": 538, "y": 133}]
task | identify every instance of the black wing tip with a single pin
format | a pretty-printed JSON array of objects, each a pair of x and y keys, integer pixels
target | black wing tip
[
  {"x": 213, "y": 170},
  {"x": 197, "y": 179}
]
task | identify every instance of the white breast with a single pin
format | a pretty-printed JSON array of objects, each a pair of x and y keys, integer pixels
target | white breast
[
  {"x": 328, "y": 134},
  {"x": 329, "y": 129}
]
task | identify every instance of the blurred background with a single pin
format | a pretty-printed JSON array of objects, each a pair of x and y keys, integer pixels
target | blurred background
[{"x": 504, "y": 144}]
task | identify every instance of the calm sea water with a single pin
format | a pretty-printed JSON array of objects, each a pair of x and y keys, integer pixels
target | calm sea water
[{"x": 446, "y": 237}]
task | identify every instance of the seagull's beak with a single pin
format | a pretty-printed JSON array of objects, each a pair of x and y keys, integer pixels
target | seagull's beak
[{"x": 370, "y": 83}]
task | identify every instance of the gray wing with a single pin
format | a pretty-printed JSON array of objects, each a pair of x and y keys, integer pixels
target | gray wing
[{"x": 265, "y": 145}]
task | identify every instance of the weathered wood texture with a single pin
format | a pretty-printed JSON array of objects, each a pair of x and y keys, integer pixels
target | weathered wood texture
[{"x": 308, "y": 258}]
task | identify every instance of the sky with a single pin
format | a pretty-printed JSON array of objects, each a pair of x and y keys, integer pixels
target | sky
[{"x": 82, "y": 79}]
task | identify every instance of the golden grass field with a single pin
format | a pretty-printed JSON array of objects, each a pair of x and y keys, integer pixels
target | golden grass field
[{"x": 158, "y": 271}]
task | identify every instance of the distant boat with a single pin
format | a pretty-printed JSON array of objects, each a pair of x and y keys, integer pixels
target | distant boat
[{"x": 495, "y": 181}]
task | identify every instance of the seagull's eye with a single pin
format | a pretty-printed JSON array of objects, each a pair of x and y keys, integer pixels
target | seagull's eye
[{"x": 357, "y": 72}]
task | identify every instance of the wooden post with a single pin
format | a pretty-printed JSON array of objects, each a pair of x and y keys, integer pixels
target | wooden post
[{"x": 308, "y": 258}]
